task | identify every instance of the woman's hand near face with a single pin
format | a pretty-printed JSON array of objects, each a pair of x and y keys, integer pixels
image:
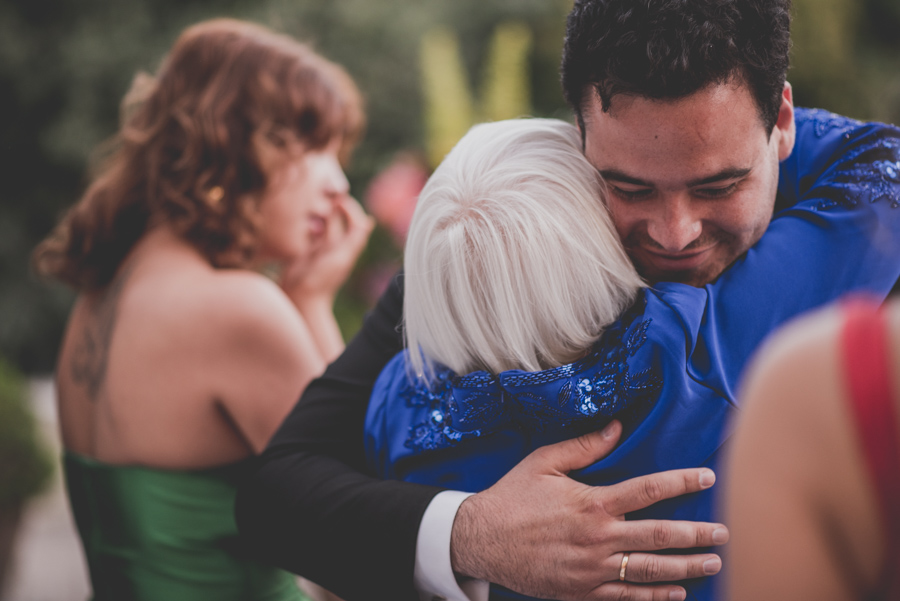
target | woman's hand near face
[
  {"x": 313, "y": 282},
  {"x": 320, "y": 275}
]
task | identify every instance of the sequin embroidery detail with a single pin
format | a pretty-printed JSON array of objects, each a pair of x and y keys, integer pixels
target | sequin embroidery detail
[
  {"x": 597, "y": 386},
  {"x": 436, "y": 431},
  {"x": 825, "y": 121},
  {"x": 868, "y": 172}
]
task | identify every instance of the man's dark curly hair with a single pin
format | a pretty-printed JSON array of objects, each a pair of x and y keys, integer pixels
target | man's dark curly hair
[{"x": 668, "y": 49}]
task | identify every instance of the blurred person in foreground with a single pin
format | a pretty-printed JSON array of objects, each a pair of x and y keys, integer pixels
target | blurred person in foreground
[
  {"x": 685, "y": 111},
  {"x": 180, "y": 358},
  {"x": 526, "y": 324},
  {"x": 814, "y": 487}
]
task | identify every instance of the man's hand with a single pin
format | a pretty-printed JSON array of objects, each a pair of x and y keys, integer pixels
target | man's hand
[{"x": 540, "y": 533}]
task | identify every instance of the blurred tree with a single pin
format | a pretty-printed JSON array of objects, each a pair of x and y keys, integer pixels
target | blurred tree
[
  {"x": 846, "y": 57},
  {"x": 506, "y": 89},
  {"x": 450, "y": 106},
  {"x": 824, "y": 35},
  {"x": 448, "y": 97}
]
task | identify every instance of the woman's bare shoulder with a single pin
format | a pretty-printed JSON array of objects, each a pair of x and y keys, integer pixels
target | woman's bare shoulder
[
  {"x": 798, "y": 352},
  {"x": 258, "y": 351},
  {"x": 243, "y": 307},
  {"x": 245, "y": 297},
  {"x": 799, "y": 496},
  {"x": 196, "y": 310},
  {"x": 791, "y": 397}
]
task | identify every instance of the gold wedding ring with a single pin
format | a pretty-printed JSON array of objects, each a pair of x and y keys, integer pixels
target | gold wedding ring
[{"x": 624, "y": 566}]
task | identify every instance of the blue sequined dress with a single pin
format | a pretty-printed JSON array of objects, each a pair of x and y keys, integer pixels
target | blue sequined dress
[{"x": 669, "y": 367}]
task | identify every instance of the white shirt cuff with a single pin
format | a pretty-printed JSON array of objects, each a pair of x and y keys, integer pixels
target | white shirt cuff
[{"x": 433, "y": 577}]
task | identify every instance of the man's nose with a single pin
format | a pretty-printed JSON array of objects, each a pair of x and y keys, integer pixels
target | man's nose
[{"x": 677, "y": 225}]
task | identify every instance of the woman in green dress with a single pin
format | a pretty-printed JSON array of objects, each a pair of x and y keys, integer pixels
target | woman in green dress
[{"x": 180, "y": 359}]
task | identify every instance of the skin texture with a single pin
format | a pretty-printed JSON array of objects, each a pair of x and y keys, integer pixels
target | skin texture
[
  {"x": 797, "y": 468},
  {"x": 692, "y": 186},
  {"x": 209, "y": 361},
  {"x": 312, "y": 229},
  {"x": 692, "y": 181},
  {"x": 300, "y": 199},
  {"x": 91, "y": 355},
  {"x": 587, "y": 560}
]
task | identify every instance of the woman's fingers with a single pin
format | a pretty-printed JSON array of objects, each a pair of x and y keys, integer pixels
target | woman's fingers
[
  {"x": 359, "y": 224},
  {"x": 349, "y": 227}
]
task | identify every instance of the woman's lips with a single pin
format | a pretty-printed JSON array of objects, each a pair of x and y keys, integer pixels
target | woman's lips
[{"x": 317, "y": 226}]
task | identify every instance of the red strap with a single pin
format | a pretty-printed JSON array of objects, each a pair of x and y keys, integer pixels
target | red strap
[{"x": 867, "y": 364}]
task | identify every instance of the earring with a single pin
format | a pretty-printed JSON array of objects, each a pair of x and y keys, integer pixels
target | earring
[{"x": 215, "y": 195}]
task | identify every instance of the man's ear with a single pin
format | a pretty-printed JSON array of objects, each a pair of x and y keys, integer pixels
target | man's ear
[{"x": 785, "y": 128}]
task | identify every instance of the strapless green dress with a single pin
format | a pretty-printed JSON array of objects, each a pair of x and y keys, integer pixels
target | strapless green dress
[{"x": 166, "y": 535}]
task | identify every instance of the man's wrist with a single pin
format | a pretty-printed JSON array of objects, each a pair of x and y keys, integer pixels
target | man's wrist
[
  {"x": 434, "y": 577},
  {"x": 464, "y": 540}
]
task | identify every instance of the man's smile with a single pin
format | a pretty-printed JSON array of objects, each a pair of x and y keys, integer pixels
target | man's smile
[{"x": 666, "y": 261}]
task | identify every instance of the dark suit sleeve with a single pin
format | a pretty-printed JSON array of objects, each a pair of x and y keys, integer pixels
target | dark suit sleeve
[{"x": 307, "y": 505}]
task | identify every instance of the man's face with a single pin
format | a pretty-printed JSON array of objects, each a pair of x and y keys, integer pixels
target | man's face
[{"x": 692, "y": 181}]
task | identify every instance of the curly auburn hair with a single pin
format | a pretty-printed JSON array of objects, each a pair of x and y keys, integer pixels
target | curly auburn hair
[
  {"x": 668, "y": 49},
  {"x": 191, "y": 150}
]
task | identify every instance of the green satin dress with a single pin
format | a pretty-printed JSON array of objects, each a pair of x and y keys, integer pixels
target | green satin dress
[{"x": 166, "y": 535}]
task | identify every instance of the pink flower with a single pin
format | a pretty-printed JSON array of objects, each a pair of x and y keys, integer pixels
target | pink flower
[{"x": 392, "y": 194}]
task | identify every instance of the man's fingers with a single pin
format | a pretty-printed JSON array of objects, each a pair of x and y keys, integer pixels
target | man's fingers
[
  {"x": 577, "y": 453},
  {"x": 638, "y": 493},
  {"x": 655, "y": 535},
  {"x": 623, "y": 591},
  {"x": 645, "y": 568}
]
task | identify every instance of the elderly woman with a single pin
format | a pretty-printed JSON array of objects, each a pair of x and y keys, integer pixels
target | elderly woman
[
  {"x": 526, "y": 325},
  {"x": 180, "y": 358}
]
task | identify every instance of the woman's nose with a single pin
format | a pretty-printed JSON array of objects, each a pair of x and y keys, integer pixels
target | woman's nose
[{"x": 336, "y": 183}]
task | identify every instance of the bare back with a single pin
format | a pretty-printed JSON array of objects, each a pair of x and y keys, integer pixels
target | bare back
[
  {"x": 179, "y": 365},
  {"x": 803, "y": 509}
]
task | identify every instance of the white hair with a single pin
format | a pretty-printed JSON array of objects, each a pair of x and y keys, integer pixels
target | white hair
[{"x": 512, "y": 260}]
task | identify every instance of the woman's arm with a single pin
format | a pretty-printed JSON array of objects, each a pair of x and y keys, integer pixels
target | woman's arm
[
  {"x": 313, "y": 284},
  {"x": 308, "y": 507},
  {"x": 259, "y": 354}
]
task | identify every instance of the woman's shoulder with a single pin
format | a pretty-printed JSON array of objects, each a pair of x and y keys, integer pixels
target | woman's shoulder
[
  {"x": 801, "y": 357},
  {"x": 792, "y": 399},
  {"x": 195, "y": 308},
  {"x": 244, "y": 297},
  {"x": 801, "y": 341}
]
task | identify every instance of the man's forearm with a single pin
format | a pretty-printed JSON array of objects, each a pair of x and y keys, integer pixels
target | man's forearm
[{"x": 354, "y": 535}]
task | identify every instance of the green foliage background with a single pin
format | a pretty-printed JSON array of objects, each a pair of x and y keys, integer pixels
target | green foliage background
[
  {"x": 65, "y": 64},
  {"x": 26, "y": 463}
]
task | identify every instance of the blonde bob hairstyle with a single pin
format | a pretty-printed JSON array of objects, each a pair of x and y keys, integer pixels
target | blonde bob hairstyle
[{"x": 512, "y": 260}]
